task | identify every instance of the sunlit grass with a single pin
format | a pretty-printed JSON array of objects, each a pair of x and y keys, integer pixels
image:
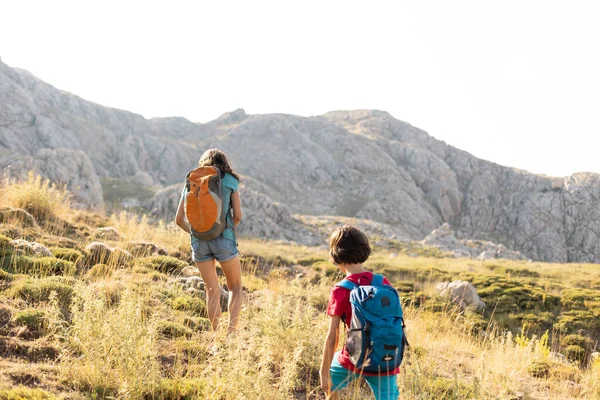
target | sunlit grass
[{"x": 124, "y": 329}]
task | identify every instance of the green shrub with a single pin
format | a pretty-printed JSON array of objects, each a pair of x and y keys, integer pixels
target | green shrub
[
  {"x": 32, "y": 318},
  {"x": 575, "y": 353},
  {"x": 574, "y": 320},
  {"x": 575, "y": 340},
  {"x": 171, "y": 330},
  {"x": 164, "y": 264},
  {"x": 539, "y": 369}
]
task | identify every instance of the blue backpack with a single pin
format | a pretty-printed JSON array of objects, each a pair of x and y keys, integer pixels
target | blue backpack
[{"x": 375, "y": 339}]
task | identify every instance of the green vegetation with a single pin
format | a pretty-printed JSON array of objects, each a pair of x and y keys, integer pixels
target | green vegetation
[
  {"x": 172, "y": 330},
  {"x": 164, "y": 264},
  {"x": 67, "y": 254},
  {"x": 33, "y": 319},
  {"x": 25, "y": 393},
  {"x": 127, "y": 329}
]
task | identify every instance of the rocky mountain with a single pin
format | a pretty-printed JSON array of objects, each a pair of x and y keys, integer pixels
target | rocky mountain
[{"x": 363, "y": 164}]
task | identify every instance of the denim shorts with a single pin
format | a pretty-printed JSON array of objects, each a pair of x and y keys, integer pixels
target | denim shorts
[
  {"x": 385, "y": 387},
  {"x": 220, "y": 248}
]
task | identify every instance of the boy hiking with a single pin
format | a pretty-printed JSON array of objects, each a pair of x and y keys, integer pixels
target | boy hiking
[{"x": 375, "y": 338}]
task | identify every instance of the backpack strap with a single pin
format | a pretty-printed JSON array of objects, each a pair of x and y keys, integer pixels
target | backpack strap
[
  {"x": 346, "y": 284},
  {"x": 377, "y": 280}
]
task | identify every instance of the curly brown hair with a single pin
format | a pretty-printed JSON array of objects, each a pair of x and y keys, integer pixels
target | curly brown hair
[{"x": 216, "y": 158}]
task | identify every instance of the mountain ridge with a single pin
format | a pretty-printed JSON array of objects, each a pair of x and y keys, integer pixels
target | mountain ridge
[{"x": 361, "y": 164}]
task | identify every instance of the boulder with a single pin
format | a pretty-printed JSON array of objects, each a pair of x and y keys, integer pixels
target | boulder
[
  {"x": 144, "y": 249},
  {"x": 462, "y": 293},
  {"x": 190, "y": 271},
  {"x": 31, "y": 248},
  {"x": 486, "y": 255},
  {"x": 194, "y": 285},
  {"x": 107, "y": 233},
  {"x": 18, "y": 216},
  {"x": 98, "y": 253}
]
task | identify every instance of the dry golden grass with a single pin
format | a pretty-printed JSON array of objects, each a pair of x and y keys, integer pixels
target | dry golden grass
[{"x": 122, "y": 330}]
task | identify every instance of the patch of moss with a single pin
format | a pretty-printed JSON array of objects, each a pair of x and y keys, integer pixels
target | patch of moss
[
  {"x": 151, "y": 273},
  {"x": 25, "y": 393},
  {"x": 575, "y": 320},
  {"x": 99, "y": 271},
  {"x": 177, "y": 389},
  {"x": 164, "y": 264},
  {"x": 534, "y": 321},
  {"x": 447, "y": 388},
  {"x": 189, "y": 304},
  {"x": 197, "y": 323},
  {"x": 172, "y": 330},
  {"x": 404, "y": 286},
  {"x": 59, "y": 242},
  {"x": 42, "y": 266},
  {"x": 34, "y": 291},
  {"x": 67, "y": 254},
  {"x": 308, "y": 261},
  {"x": 32, "y": 318},
  {"x": 576, "y": 298},
  {"x": 539, "y": 369}
]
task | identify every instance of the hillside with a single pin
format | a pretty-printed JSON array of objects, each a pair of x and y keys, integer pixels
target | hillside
[
  {"x": 109, "y": 307},
  {"x": 361, "y": 164}
]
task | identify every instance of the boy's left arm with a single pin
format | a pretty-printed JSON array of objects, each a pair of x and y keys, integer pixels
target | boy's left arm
[{"x": 329, "y": 348}]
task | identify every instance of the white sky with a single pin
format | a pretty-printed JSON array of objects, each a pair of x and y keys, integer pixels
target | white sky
[{"x": 514, "y": 82}]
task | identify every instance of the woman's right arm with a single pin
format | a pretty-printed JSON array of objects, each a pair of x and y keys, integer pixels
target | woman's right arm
[
  {"x": 237, "y": 207},
  {"x": 180, "y": 216}
]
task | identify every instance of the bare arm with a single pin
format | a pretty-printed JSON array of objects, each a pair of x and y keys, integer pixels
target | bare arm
[
  {"x": 329, "y": 347},
  {"x": 237, "y": 207},
  {"x": 180, "y": 216}
]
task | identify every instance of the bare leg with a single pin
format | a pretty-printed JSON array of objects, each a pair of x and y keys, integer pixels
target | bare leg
[
  {"x": 233, "y": 274},
  {"x": 208, "y": 271}
]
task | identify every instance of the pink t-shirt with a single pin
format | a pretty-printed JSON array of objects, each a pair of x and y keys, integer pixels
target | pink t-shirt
[{"x": 339, "y": 305}]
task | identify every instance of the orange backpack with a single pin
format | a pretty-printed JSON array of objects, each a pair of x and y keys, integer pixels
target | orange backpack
[{"x": 204, "y": 207}]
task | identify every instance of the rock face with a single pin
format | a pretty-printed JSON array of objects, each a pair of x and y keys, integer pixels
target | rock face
[
  {"x": 444, "y": 239},
  {"x": 361, "y": 164}
]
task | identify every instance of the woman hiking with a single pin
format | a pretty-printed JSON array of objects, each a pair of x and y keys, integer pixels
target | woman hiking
[{"x": 212, "y": 192}]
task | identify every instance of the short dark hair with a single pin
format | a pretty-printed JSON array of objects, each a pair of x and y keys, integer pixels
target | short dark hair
[{"x": 348, "y": 245}]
